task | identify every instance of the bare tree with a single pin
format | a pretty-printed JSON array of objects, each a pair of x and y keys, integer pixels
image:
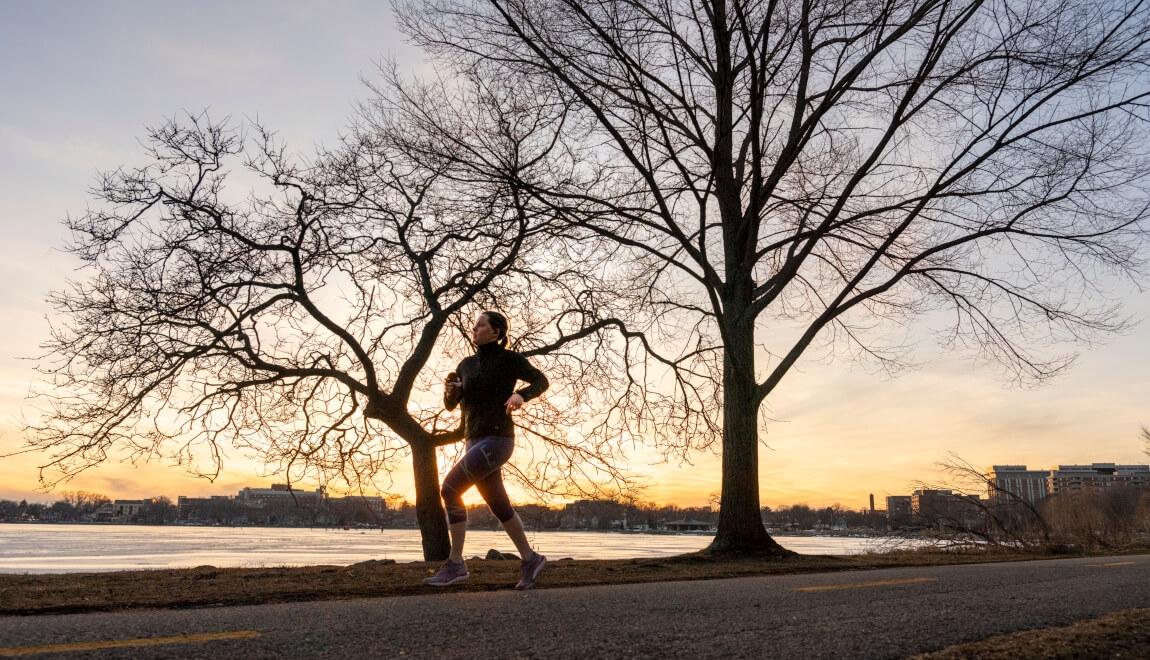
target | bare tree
[
  {"x": 1009, "y": 518},
  {"x": 798, "y": 174},
  {"x": 289, "y": 322},
  {"x": 85, "y": 502}
]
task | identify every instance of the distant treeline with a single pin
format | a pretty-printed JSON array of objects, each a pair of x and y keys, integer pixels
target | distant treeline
[{"x": 583, "y": 514}]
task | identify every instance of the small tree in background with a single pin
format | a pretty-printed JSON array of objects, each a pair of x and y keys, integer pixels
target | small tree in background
[{"x": 301, "y": 323}]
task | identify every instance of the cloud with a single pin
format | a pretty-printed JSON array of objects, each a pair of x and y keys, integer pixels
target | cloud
[
  {"x": 215, "y": 60},
  {"x": 81, "y": 154}
]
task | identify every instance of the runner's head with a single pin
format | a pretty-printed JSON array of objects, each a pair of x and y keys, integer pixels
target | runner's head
[{"x": 489, "y": 327}]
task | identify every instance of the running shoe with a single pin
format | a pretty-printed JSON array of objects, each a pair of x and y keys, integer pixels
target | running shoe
[
  {"x": 448, "y": 574},
  {"x": 529, "y": 571}
]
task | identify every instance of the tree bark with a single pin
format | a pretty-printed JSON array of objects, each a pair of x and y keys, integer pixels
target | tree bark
[
  {"x": 429, "y": 509},
  {"x": 741, "y": 530}
]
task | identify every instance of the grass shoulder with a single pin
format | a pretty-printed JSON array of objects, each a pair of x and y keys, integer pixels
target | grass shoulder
[
  {"x": 207, "y": 586},
  {"x": 1122, "y": 634}
]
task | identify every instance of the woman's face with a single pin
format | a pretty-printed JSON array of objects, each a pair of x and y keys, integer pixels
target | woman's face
[{"x": 482, "y": 332}]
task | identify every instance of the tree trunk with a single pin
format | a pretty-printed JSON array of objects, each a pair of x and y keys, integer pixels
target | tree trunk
[
  {"x": 741, "y": 530},
  {"x": 429, "y": 509}
]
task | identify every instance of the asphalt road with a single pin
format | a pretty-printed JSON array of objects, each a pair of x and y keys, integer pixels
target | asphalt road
[{"x": 870, "y": 614}]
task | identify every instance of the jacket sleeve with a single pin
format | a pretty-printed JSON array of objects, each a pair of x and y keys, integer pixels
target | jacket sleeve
[
  {"x": 449, "y": 402},
  {"x": 537, "y": 383}
]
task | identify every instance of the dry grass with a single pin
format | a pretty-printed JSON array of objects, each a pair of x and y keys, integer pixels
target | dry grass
[
  {"x": 1124, "y": 634},
  {"x": 209, "y": 586}
]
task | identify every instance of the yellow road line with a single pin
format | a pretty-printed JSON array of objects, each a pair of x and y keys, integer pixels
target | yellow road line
[
  {"x": 17, "y": 651},
  {"x": 1115, "y": 563},
  {"x": 864, "y": 585}
]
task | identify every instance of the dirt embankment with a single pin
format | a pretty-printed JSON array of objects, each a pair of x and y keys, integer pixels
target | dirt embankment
[{"x": 207, "y": 586}]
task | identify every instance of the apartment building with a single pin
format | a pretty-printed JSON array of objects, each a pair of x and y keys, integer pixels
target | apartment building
[
  {"x": 1068, "y": 478},
  {"x": 1005, "y": 483}
]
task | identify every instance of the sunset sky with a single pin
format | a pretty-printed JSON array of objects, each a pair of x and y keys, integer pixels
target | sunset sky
[{"x": 81, "y": 80}]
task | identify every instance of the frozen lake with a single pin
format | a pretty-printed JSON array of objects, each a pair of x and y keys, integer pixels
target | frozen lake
[{"x": 46, "y": 548}]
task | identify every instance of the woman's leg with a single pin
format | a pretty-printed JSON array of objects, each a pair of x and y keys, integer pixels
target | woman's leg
[
  {"x": 458, "y": 536},
  {"x": 514, "y": 528},
  {"x": 495, "y": 452},
  {"x": 493, "y": 492},
  {"x": 483, "y": 458},
  {"x": 491, "y": 487},
  {"x": 455, "y": 484}
]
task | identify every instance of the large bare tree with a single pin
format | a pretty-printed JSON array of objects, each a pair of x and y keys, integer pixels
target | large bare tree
[
  {"x": 799, "y": 174},
  {"x": 289, "y": 320}
]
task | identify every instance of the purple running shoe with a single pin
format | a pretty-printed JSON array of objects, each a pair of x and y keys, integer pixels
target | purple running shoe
[
  {"x": 448, "y": 574},
  {"x": 529, "y": 571}
]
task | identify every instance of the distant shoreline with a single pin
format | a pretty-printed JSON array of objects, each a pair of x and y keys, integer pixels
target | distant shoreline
[{"x": 849, "y": 533}]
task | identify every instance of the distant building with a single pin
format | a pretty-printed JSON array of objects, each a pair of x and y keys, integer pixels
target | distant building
[
  {"x": 968, "y": 512},
  {"x": 124, "y": 509},
  {"x": 898, "y": 510},
  {"x": 1068, "y": 478},
  {"x": 216, "y": 508},
  {"x": 946, "y": 508},
  {"x": 279, "y": 494},
  {"x": 1007, "y": 483},
  {"x": 928, "y": 504}
]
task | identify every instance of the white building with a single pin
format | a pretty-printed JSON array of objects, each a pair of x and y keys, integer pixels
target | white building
[{"x": 128, "y": 508}]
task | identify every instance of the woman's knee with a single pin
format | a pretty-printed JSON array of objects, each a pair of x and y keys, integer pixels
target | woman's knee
[
  {"x": 498, "y": 501},
  {"x": 502, "y": 511},
  {"x": 453, "y": 501}
]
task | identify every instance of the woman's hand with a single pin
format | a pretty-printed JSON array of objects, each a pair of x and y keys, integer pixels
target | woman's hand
[
  {"x": 451, "y": 385},
  {"x": 514, "y": 402}
]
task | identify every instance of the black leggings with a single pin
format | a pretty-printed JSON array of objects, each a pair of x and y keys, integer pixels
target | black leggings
[{"x": 480, "y": 466}]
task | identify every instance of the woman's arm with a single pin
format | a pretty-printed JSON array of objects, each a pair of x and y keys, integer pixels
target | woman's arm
[{"x": 537, "y": 383}]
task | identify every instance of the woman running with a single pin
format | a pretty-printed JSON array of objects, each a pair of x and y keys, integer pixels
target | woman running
[{"x": 484, "y": 385}]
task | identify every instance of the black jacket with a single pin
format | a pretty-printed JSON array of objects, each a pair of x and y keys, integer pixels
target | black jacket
[{"x": 489, "y": 379}]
